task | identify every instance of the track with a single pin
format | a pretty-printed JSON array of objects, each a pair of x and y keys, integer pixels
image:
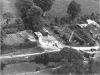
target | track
[{"x": 85, "y": 49}]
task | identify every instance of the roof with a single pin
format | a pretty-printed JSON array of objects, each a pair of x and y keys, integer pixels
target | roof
[
  {"x": 38, "y": 34},
  {"x": 51, "y": 38},
  {"x": 89, "y": 21}
]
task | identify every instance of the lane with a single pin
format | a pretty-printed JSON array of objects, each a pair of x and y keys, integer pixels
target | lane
[
  {"x": 26, "y": 55},
  {"x": 85, "y": 49},
  {"x": 54, "y": 49}
]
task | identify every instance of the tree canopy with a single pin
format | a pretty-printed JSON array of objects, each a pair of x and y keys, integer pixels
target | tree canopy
[
  {"x": 45, "y": 5},
  {"x": 2, "y": 34},
  {"x": 8, "y": 16},
  {"x": 23, "y": 6},
  {"x": 42, "y": 59},
  {"x": 30, "y": 14},
  {"x": 72, "y": 61},
  {"x": 71, "y": 54},
  {"x": 73, "y": 9},
  {"x": 34, "y": 18}
]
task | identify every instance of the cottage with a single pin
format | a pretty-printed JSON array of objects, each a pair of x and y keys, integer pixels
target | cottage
[
  {"x": 83, "y": 25},
  {"x": 47, "y": 41},
  {"x": 92, "y": 22}
]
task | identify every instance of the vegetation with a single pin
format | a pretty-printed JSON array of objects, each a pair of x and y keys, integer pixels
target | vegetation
[
  {"x": 73, "y": 10},
  {"x": 17, "y": 26},
  {"x": 69, "y": 59},
  {"x": 13, "y": 48},
  {"x": 31, "y": 17},
  {"x": 30, "y": 14},
  {"x": 73, "y": 59},
  {"x": 45, "y": 5},
  {"x": 71, "y": 54},
  {"x": 8, "y": 16},
  {"x": 2, "y": 35},
  {"x": 34, "y": 18}
]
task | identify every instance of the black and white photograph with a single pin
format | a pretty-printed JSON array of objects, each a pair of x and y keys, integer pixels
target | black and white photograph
[{"x": 49, "y": 37}]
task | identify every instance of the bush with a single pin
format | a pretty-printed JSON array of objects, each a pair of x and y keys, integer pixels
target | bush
[
  {"x": 11, "y": 30},
  {"x": 64, "y": 37},
  {"x": 71, "y": 54},
  {"x": 16, "y": 47},
  {"x": 14, "y": 27},
  {"x": 56, "y": 32},
  {"x": 39, "y": 48},
  {"x": 52, "y": 28},
  {"x": 42, "y": 59}
]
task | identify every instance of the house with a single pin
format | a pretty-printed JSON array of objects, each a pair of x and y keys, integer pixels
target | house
[
  {"x": 89, "y": 22},
  {"x": 83, "y": 25},
  {"x": 47, "y": 41},
  {"x": 92, "y": 22}
]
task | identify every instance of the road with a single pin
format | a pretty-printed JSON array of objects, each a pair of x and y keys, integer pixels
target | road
[
  {"x": 52, "y": 50},
  {"x": 27, "y": 55}
]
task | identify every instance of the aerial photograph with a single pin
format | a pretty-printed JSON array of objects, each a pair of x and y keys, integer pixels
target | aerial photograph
[{"x": 49, "y": 37}]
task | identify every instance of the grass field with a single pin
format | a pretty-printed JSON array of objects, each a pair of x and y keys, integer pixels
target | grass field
[
  {"x": 88, "y": 6},
  {"x": 7, "y": 6},
  {"x": 58, "y": 9},
  {"x": 13, "y": 39}
]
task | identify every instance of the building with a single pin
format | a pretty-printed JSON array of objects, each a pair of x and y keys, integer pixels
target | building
[
  {"x": 47, "y": 41},
  {"x": 92, "y": 22},
  {"x": 27, "y": 34}
]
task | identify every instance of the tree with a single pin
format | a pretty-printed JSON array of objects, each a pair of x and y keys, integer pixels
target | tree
[
  {"x": 19, "y": 24},
  {"x": 8, "y": 16},
  {"x": 92, "y": 15},
  {"x": 34, "y": 18},
  {"x": 73, "y": 10},
  {"x": 91, "y": 65},
  {"x": 42, "y": 59},
  {"x": 23, "y": 6},
  {"x": 30, "y": 14},
  {"x": 55, "y": 57},
  {"x": 37, "y": 68},
  {"x": 73, "y": 59},
  {"x": 45, "y": 5},
  {"x": 71, "y": 54},
  {"x": 2, "y": 35},
  {"x": 2, "y": 66}
]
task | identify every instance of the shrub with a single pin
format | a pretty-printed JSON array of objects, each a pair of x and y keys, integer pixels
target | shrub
[
  {"x": 64, "y": 37},
  {"x": 52, "y": 28},
  {"x": 39, "y": 48},
  {"x": 11, "y": 30},
  {"x": 13, "y": 48},
  {"x": 56, "y": 32}
]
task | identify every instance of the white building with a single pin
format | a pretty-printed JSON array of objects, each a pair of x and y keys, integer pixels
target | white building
[
  {"x": 83, "y": 25},
  {"x": 89, "y": 22},
  {"x": 92, "y": 22},
  {"x": 47, "y": 41}
]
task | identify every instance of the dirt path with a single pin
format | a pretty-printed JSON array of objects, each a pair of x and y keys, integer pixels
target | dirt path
[{"x": 48, "y": 51}]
